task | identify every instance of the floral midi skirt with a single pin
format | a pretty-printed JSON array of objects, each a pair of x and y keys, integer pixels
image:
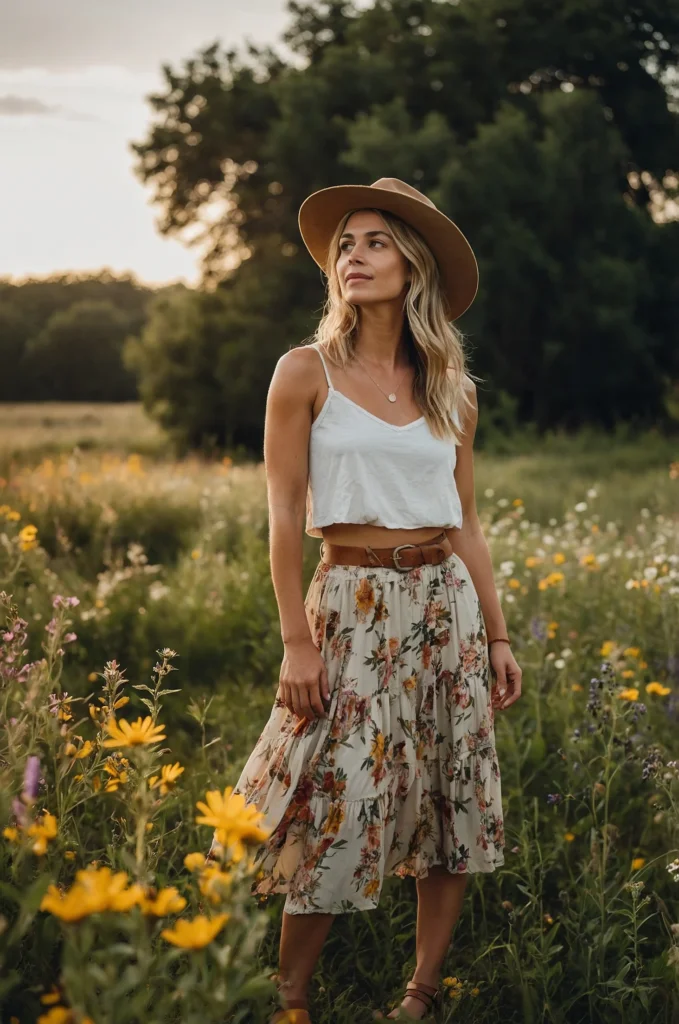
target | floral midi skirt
[{"x": 403, "y": 773}]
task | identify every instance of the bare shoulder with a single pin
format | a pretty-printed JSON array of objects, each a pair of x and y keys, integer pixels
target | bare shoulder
[
  {"x": 469, "y": 385},
  {"x": 297, "y": 373}
]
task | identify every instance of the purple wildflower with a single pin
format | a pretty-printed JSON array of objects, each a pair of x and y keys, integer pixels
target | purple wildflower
[
  {"x": 554, "y": 798},
  {"x": 594, "y": 702},
  {"x": 652, "y": 765},
  {"x": 637, "y": 709},
  {"x": 537, "y": 629},
  {"x": 31, "y": 778}
]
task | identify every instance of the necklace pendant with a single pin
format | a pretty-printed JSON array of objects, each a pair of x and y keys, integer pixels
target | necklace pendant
[{"x": 392, "y": 397}]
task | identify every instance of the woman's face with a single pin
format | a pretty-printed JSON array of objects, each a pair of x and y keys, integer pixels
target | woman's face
[{"x": 370, "y": 268}]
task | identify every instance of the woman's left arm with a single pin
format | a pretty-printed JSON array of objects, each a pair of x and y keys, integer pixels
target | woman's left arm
[{"x": 470, "y": 545}]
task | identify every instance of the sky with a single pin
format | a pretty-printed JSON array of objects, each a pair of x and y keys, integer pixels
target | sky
[{"x": 73, "y": 80}]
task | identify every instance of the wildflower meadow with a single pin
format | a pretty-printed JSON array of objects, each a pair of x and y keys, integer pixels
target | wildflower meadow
[{"x": 139, "y": 657}]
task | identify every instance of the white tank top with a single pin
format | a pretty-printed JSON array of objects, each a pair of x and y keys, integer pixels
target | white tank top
[{"x": 365, "y": 470}]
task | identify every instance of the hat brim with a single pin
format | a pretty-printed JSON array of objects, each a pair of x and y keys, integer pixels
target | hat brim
[{"x": 321, "y": 212}]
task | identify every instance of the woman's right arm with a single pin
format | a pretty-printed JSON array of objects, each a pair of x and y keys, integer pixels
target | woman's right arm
[{"x": 289, "y": 411}]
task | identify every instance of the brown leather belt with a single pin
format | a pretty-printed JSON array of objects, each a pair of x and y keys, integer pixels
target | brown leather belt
[{"x": 402, "y": 556}]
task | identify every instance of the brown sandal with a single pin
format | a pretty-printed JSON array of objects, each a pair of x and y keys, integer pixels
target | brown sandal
[
  {"x": 432, "y": 1000},
  {"x": 296, "y": 1011},
  {"x": 291, "y": 1015}
]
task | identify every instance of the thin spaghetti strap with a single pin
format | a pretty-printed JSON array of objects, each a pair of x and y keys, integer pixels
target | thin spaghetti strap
[{"x": 325, "y": 366}]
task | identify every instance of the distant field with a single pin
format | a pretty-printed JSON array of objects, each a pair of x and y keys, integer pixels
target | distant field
[
  {"x": 28, "y": 428},
  {"x": 550, "y": 473}
]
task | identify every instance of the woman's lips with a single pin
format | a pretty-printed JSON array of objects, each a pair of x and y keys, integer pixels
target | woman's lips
[{"x": 357, "y": 277}]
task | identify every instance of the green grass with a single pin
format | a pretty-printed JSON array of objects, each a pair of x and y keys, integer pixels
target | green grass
[{"x": 166, "y": 553}]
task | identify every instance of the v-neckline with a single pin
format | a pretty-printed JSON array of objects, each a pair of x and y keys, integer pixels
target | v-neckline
[{"x": 394, "y": 426}]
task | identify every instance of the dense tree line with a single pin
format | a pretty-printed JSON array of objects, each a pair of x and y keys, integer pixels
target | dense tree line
[
  {"x": 62, "y": 337},
  {"x": 550, "y": 133}
]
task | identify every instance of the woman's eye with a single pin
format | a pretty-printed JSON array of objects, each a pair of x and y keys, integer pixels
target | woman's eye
[{"x": 373, "y": 241}]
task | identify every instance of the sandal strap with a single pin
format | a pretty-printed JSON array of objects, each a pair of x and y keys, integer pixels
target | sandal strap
[{"x": 412, "y": 990}]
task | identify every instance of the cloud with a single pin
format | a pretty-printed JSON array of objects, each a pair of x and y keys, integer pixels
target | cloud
[
  {"x": 24, "y": 106},
  {"x": 17, "y": 106}
]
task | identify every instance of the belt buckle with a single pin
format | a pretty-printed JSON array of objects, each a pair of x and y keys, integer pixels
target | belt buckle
[{"x": 395, "y": 555}]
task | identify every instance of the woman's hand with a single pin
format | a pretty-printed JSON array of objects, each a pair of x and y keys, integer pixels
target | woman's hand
[
  {"x": 506, "y": 686},
  {"x": 303, "y": 682}
]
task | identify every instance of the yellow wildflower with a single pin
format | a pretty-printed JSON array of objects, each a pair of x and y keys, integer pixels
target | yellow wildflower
[
  {"x": 558, "y": 558},
  {"x": 628, "y": 673},
  {"x": 194, "y": 861},
  {"x": 632, "y": 652},
  {"x": 195, "y": 553},
  {"x": 213, "y": 881},
  {"x": 532, "y": 561},
  {"x": 513, "y": 583},
  {"x": 629, "y": 693},
  {"x": 638, "y": 863},
  {"x": 235, "y": 823},
  {"x": 569, "y": 837},
  {"x": 166, "y": 901},
  {"x": 658, "y": 688},
  {"x": 28, "y": 537},
  {"x": 57, "y": 1015},
  {"x": 115, "y": 767},
  {"x": 169, "y": 773},
  {"x": 132, "y": 734},
  {"x": 576, "y": 687},
  {"x": 195, "y": 934},
  {"x": 517, "y": 502},
  {"x": 11, "y": 833},
  {"x": 95, "y": 890},
  {"x": 607, "y": 648},
  {"x": 121, "y": 702},
  {"x": 51, "y": 997},
  {"x": 43, "y": 828},
  {"x": 92, "y": 677},
  {"x": 69, "y": 854}
]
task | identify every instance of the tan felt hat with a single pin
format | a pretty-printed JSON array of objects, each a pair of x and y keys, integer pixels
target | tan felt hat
[{"x": 321, "y": 212}]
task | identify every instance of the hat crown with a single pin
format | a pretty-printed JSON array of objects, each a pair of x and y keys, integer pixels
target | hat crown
[{"x": 396, "y": 185}]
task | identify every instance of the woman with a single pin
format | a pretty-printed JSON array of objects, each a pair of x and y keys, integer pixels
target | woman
[{"x": 379, "y": 756}]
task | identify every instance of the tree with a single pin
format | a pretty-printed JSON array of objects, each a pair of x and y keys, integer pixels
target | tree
[
  {"x": 547, "y": 134},
  {"x": 78, "y": 355}
]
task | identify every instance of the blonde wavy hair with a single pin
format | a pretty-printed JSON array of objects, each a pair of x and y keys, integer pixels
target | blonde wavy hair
[{"x": 434, "y": 343}]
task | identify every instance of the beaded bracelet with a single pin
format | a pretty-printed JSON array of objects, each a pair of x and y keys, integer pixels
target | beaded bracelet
[{"x": 500, "y": 639}]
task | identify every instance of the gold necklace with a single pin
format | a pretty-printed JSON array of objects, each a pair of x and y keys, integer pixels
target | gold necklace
[{"x": 392, "y": 395}]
